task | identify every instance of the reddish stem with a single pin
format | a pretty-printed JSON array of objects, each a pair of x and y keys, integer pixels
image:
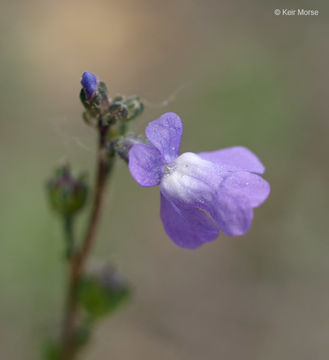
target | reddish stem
[{"x": 78, "y": 260}]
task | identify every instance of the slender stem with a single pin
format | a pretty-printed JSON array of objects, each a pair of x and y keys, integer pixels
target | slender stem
[
  {"x": 78, "y": 260},
  {"x": 69, "y": 237}
]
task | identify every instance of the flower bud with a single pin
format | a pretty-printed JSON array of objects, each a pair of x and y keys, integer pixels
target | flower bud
[
  {"x": 135, "y": 107},
  {"x": 123, "y": 145},
  {"x": 67, "y": 195},
  {"x": 89, "y": 83},
  {"x": 118, "y": 111}
]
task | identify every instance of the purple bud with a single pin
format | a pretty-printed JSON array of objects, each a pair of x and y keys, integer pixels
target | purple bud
[{"x": 89, "y": 83}]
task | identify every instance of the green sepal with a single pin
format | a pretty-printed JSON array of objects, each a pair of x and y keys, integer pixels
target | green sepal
[
  {"x": 102, "y": 89},
  {"x": 83, "y": 99}
]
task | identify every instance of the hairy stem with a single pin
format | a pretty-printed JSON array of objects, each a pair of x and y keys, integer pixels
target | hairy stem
[{"x": 78, "y": 260}]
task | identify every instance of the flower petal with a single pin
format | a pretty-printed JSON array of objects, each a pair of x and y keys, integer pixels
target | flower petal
[
  {"x": 247, "y": 185},
  {"x": 237, "y": 195},
  {"x": 145, "y": 165},
  {"x": 233, "y": 215},
  {"x": 236, "y": 157},
  {"x": 189, "y": 192},
  {"x": 165, "y": 134},
  {"x": 227, "y": 196},
  {"x": 188, "y": 227}
]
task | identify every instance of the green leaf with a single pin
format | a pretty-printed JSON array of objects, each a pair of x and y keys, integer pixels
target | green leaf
[{"x": 101, "y": 296}]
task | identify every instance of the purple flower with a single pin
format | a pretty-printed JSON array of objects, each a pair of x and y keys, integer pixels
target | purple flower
[
  {"x": 89, "y": 83},
  {"x": 203, "y": 193}
]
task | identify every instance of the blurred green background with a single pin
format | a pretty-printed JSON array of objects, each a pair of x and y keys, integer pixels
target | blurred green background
[{"x": 237, "y": 75}]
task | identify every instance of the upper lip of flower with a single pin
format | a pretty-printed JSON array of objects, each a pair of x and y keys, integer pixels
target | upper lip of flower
[{"x": 200, "y": 193}]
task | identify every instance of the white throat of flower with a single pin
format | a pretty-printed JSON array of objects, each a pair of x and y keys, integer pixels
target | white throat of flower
[{"x": 188, "y": 179}]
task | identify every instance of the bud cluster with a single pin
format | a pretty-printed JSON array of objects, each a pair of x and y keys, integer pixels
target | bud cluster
[{"x": 101, "y": 110}]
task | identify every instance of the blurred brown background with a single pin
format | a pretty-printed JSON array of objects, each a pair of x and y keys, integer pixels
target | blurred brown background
[{"x": 236, "y": 74}]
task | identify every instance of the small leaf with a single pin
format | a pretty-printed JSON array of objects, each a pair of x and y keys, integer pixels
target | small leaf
[{"x": 101, "y": 294}]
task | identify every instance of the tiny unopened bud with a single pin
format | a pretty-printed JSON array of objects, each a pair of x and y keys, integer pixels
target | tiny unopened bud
[
  {"x": 123, "y": 145},
  {"x": 89, "y": 83},
  {"x": 118, "y": 111},
  {"x": 135, "y": 107},
  {"x": 67, "y": 194}
]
